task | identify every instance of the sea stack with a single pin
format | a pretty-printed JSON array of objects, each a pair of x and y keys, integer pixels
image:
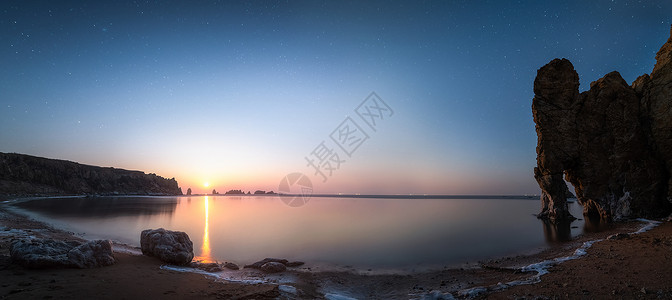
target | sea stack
[{"x": 613, "y": 143}]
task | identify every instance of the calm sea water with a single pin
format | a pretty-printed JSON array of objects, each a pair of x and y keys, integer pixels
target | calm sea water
[{"x": 359, "y": 232}]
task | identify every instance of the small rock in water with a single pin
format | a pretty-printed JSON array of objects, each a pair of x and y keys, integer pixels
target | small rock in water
[
  {"x": 293, "y": 264},
  {"x": 273, "y": 267},
  {"x": 257, "y": 265},
  {"x": 208, "y": 267},
  {"x": 231, "y": 266},
  {"x": 276, "y": 264}
]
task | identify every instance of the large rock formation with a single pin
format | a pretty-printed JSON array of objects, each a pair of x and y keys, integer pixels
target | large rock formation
[
  {"x": 29, "y": 175},
  {"x": 612, "y": 142},
  {"x": 173, "y": 247},
  {"x": 47, "y": 253}
]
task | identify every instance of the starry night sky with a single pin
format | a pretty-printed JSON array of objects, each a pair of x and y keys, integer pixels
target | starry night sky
[{"x": 239, "y": 94}]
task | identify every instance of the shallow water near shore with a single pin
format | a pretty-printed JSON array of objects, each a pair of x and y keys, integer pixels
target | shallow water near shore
[{"x": 347, "y": 233}]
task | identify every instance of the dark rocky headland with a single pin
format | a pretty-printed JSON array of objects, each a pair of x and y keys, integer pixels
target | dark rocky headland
[
  {"x": 25, "y": 175},
  {"x": 613, "y": 143}
]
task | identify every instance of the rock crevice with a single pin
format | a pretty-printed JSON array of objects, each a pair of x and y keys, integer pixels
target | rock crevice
[{"x": 613, "y": 143}]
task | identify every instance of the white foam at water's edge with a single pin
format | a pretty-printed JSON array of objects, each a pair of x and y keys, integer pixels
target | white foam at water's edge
[
  {"x": 647, "y": 227},
  {"x": 246, "y": 276},
  {"x": 119, "y": 247},
  {"x": 542, "y": 267},
  {"x": 333, "y": 296},
  {"x": 214, "y": 275}
]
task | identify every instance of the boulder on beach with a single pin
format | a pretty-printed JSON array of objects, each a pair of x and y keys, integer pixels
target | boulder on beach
[
  {"x": 173, "y": 247},
  {"x": 48, "y": 253},
  {"x": 92, "y": 254}
]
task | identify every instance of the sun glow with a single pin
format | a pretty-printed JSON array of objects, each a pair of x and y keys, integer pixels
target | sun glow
[{"x": 206, "y": 184}]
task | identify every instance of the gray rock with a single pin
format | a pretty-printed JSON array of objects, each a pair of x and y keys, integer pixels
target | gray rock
[
  {"x": 173, "y": 247},
  {"x": 41, "y": 254},
  {"x": 47, "y": 253},
  {"x": 208, "y": 267},
  {"x": 231, "y": 266},
  {"x": 293, "y": 264},
  {"x": 92, "y": 254},
  {"x": 257, "y": 265},
  {"x": 273, "y": 267}
]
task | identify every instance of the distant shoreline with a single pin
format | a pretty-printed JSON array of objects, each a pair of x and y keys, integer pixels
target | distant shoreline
[
  {"x": 416, "y": 196},
  {"x": 394, "y": 196},
  {"x": 367, "y": 196}
]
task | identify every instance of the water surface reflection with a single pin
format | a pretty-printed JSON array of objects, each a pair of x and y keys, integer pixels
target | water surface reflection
[
  {"x": 102, "y": 206},
  {"x": 362, "y": 232}
]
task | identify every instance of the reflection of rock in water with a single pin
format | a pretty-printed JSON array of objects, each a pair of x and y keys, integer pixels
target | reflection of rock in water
[
  {"x": 562, "y": 231},
  {"x": 594, "y": 224},
  {"x": 558, "y": 231},
  {"x": 102, "y": 206}
]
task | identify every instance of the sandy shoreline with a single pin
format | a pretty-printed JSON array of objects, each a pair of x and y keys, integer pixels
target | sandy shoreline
[{"x": 633, "y": 267}]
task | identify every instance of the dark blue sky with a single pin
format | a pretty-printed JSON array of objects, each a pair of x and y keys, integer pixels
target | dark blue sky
[{"x": 239, "y": 94}]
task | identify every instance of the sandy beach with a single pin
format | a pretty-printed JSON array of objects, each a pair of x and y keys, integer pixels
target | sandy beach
[{"x": 636, "y": 266}]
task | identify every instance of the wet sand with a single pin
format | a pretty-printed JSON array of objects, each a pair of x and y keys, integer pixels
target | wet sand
[
  {"x": 634, "y": 267},
  {"x": 637, "y": 267}
]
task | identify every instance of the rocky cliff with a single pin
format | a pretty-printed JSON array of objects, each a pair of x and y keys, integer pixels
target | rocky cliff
[
  {"x": 613, "y": 143},
  {"x": 29, "y": 175}
]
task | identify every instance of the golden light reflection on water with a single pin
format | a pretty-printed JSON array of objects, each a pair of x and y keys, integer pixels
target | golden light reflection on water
[{"x": 205, "y": 250}]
